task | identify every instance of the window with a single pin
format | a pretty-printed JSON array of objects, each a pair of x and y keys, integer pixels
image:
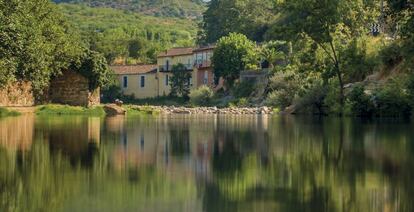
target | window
[
  {"x": 167, "y": 64},
  {"x": 125, "y": 82},
  {"x": 142, "y": 81},
  {"x": 167, "y": 80},
  {"x": 205, "y": 80}
]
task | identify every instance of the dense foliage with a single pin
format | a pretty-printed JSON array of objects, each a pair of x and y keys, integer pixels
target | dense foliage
[
  {"x": 249, "y": 17},
  {"x": 166, "y": 8},
  {"x": 37, "y": 44},
  {"x": 201, "y": 96},
  {"x": 180, "y": 81},
  {"x": 126, "y": 37},
  {"x": 93, "y": 66},
  {"x": 232, "y": 54},
  {"x": 317, "y": 50}
]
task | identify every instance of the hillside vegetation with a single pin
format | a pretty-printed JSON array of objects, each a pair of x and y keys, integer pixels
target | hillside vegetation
[
  {"x": 323, "y": 56},
  {"x": 161, "y": 8},
  {"x": 127, "y": 36}
]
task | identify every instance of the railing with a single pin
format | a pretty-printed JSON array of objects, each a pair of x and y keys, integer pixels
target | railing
[
  {"x": 203, "y": 64},
  {"x": 165, "y": 68}
]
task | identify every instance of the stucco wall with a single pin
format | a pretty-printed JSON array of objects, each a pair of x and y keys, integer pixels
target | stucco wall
[
  {"x": 183, "y": 59},
  {"x": 164, "y": 89},
  {"x": 149, "y": 90},
  {"x": 73, "y": 89},
  {"x": 17, "y": 94}
]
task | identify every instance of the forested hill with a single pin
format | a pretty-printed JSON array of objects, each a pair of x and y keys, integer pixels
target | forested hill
[
  {"x": 128, "y": 36},
  {"x": 161, "y": 8}
]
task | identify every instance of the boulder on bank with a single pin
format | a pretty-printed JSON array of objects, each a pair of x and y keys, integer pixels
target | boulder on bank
[{"x": 113, "y": 110}]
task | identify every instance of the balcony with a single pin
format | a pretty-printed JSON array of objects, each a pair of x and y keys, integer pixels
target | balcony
[
  {"x": 165, "y": 68},
  {"x": 203, "y": 64}
]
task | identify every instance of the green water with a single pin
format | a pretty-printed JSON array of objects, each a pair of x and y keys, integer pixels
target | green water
[{"x": 205, "y": 163}]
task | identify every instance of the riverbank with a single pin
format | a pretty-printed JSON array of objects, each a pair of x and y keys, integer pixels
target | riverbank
[
  {"x": 205, "y": 110},
  {"x": 4, "y": 112},
  {"x": 139, "y": 110}
]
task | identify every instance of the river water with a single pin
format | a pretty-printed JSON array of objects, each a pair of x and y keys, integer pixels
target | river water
[{"x": 205, "y": 163}]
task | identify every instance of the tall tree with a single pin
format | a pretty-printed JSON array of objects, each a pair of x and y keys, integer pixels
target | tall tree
[
  {"x": 180, "y": 81},
  {"x": 233, "y": 54},
  {"x": 330, "y": 24},
  {"x": 35, "y": 41},
  {"x": 249, "y": 17},
  {"x": 36, "y": 44}
]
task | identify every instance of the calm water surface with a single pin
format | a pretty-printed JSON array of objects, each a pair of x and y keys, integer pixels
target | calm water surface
[{"x": 205, "y": 163}]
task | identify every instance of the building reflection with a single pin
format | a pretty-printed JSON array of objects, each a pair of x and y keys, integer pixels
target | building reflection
[
  {"x": 184, "y": 146},
  {"x": 17, "y": 133},
  {"x": 232, "y": 162}
]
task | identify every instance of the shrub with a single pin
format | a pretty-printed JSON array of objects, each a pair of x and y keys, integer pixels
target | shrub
[
  {"x": 313, "y": 101},
  {"x": 243, "y": 102},
  {"x": 283, "y": 80},
  {"x": 111, "y": 93},
  {"x": 392, "y": 101},
  {"x": 361, "y": 104},
  {"x": 201, "y": 96},
  {"x": 391, "y": 55},
  {"x": 280, "y": 99},
  {"x": 243, "y": 89}
]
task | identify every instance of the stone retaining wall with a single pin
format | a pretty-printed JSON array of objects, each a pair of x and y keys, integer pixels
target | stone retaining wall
[
  {"x": 17, "y": 94},
  {"x": 69, "y": 88},
  {"x": 72, "y": 88}
]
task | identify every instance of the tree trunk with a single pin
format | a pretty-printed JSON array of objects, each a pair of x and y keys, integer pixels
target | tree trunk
[
  {"x": 339, "y": 75},
  {"x": 341, "y": 87}
]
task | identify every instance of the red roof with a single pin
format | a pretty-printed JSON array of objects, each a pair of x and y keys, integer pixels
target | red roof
[
  {"x": 176, "y": 52},
  {"x": 134, "y": 69},
  {"x": 205, "y": 48}
]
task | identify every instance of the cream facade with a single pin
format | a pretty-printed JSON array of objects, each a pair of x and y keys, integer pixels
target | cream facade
[
  {"x": 167, "y": 60},
  {"x": 139, "y": 81},
  {"x": 150, "y": 81},
  {"x": 139, "y": 85}
]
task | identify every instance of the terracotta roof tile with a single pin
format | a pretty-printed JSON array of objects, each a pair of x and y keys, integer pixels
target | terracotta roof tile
[
  {"x": 134, "y": 69},
  {"x": 176, "y": 52},
  {"x": 204, "y": 48}
]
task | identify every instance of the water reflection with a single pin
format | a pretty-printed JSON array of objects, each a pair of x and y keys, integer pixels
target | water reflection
[{"x": 205, "y": 163}]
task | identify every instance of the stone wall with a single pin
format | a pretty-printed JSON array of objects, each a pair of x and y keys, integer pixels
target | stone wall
[
  {"x": 17, "y": 94},
  {"x": 73, "y": 89}
]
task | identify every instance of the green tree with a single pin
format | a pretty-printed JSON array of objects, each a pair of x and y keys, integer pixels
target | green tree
[
  {"x": 275, "y": 52},
  {"x": 180, "y": 81},
  {"x": 330, "y": 24},
  {"x": 249, "y": 17},
  {"x": 233, "y": 54},
  {"x": 35, "y": 42},
  {"x": 93, "y": 66},
  {"x": 136, "y": 48}
]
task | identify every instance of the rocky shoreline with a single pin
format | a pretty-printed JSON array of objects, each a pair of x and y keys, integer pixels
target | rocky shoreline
[{"x": 207, "y": 110}]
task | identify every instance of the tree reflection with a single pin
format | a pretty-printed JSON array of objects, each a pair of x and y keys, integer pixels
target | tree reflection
[{"x": 214, "y": 164}]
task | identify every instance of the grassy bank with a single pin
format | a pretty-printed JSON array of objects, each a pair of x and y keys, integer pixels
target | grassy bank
[
  {"x": 4, "y": 112},
  {"x": 53, "y": 109}
]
